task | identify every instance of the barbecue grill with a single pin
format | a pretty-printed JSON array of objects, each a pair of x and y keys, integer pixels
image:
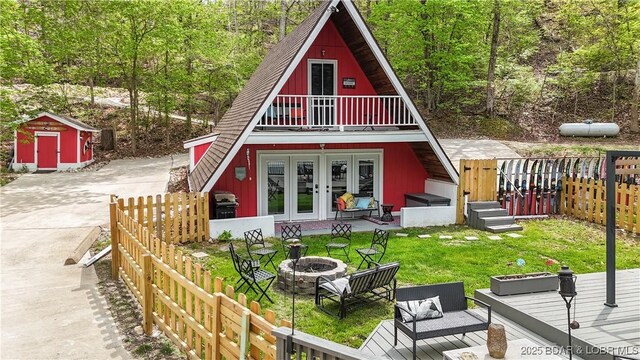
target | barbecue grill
[{"x": 223, "y": 205}]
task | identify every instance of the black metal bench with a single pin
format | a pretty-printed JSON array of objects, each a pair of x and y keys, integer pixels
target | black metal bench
[
  {"x": 365, "y": 286},
  {"x": 456, "y": 318}
]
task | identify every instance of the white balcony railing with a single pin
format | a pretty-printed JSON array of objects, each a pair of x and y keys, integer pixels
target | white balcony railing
[{"x": 323, "y": 111}]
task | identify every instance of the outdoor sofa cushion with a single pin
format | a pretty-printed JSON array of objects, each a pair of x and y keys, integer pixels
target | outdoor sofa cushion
[
  {"x": 423, "y": 309},
  {"x": 454, "y": 322}
]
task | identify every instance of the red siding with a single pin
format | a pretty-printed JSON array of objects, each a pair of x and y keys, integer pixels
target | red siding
[
  {"x": 198, "y": 151},
  {"x": 334, "y": 48},
  {"x": 86, "y": 156},
  {"x": 68, "y": 141},
  {"x": 403, "y": 172}
]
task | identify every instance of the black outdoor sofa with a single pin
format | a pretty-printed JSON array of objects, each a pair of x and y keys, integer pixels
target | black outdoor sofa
[
  {"x": 456, "y": 318},
  {"x": 365, "y": 286}
]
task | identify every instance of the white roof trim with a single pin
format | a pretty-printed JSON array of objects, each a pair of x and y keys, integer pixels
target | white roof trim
[
  {"x": 338, "y": 137},
  {"x": 269, "y": 99},
  {"x": 355, "y": 15},
  {"x": 60, "y": 119},
  {"x": 200, "y": 140}
]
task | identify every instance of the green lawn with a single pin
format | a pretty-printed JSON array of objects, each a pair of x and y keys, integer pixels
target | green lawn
[{"x": 424, "y": 261}]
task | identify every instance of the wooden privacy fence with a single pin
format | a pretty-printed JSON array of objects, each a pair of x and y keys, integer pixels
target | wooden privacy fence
[
  {"x": 174, "y": 218},
  {"x": 178, "y": 296},
  {"x": 585, "y": 199},
  {"x": 477, "y": 183},
  {"x": 543, "y": 186}
]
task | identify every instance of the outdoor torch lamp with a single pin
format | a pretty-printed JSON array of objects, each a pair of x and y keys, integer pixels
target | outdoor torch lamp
[
  {"x": 294, "y": 256},
  {"x": 567, "y": 283}
]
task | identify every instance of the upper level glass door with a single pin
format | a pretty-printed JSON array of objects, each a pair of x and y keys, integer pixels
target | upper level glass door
[{"x": 322, "y": 82}]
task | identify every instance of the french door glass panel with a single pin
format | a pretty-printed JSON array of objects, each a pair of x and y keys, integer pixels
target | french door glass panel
[
  {"x": 276, "y": 187},
  {"x": 305, "y": 187},
  {"x": 339, "y": 179},
  {"x": 322, "y": 82},
  {"x": 367, "y": 179}
]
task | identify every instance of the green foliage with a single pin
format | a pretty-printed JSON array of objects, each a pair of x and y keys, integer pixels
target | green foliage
[
  {"x": 193, "y": 57},
  {"x": 225, "y": 236}
]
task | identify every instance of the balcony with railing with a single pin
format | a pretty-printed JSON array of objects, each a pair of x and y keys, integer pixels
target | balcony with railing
[{"x": 337, "y": 112}]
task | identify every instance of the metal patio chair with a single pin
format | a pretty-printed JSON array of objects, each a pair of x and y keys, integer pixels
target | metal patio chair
[
  {"x": 257, "y": 248},
  {"x": 340, "y": 239},
  {"x": 251, "y": 275},
  {"x": 289, "y": 232},
  {"x": 374, "y": 253}
]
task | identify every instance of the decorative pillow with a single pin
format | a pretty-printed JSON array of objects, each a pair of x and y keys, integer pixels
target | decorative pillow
[
  {"x": 341, "y": 204},
  {"x": 363, "y": 203},
  {"x": 346, "y": 196},
  {"x": 350, "y": 203},
  {"x": 423, "y": 309},
  {"x": 342, "y": 285},
  {"x": 372, "y": 202}
]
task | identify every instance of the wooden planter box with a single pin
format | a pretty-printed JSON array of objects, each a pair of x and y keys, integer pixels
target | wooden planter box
[{"x": 523, "y": 283}]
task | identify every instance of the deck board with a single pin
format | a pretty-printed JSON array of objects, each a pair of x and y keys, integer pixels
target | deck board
[
  {"x": 600, "y": 326},
  {"x": 380, "y": 341}
]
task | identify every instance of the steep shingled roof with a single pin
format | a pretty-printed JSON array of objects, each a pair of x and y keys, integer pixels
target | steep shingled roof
[{"x": 252, "y": 97}]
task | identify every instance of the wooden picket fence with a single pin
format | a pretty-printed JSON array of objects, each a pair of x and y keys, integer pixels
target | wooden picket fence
[
  {"x": 585, "y": 199},
  {"x": 173, "y": 218},
  {"x": 178, "y": 295}
]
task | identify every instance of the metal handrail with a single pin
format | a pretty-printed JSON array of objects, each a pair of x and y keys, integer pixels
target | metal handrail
[{"x": 509, "y": 180}]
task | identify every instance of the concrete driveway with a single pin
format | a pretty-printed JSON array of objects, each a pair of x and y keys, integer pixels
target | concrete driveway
[
  {"x": 51, "y": 311},
  {"x": 457, "y": 149}
]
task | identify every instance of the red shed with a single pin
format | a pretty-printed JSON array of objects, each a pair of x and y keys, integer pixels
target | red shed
[{"x": 53, "y": 142}]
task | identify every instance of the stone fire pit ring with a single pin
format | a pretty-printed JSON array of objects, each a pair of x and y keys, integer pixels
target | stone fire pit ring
[{"x": 306, "y": 279}]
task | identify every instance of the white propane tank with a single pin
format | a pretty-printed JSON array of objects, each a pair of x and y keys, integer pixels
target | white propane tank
[{"x": 589, "y": 128}]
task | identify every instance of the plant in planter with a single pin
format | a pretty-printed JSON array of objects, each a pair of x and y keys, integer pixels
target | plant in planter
[{"x": 525, "y": 282}]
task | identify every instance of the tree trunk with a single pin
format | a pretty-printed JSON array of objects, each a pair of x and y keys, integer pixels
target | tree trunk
[
  {"x": 91, "y": 93},
  {"x": 133, "y": 106},
  {"x": 491, "y": 90},
  {"x": 635, "y": 103},
  {"x": 283, "y": 19}
]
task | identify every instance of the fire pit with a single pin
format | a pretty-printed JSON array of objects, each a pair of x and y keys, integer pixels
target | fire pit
[{"x": 307, "y": 271}]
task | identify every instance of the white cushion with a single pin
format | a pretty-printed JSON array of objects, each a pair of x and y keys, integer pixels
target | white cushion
[
  {"x": 423, "y": 309},
  {"x": 342, "y": 285}
]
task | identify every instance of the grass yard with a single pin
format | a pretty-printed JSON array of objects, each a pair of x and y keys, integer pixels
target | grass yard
[{"x": 433, "y": 260}]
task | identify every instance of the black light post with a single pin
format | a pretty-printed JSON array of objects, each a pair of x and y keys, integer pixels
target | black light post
[
  {"x": 294, "y": 255},
  {"x": 568, "y": 291}
]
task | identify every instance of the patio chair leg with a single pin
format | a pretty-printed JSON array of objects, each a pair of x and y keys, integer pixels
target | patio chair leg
[
  {"x": 264, "y": 291},
  {"x": 414, "y": 349}
]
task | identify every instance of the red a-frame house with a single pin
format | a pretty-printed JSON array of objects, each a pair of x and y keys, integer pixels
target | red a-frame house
[{"x": 323, "y": 114}]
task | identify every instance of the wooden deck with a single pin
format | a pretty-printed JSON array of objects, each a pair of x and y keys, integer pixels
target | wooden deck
[
  {"x": 614, "y": 330},
  {"x": 380, "y": 341}
]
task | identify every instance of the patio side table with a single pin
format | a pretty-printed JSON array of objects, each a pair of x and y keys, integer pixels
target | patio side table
[{"x": 386, "y": 212}]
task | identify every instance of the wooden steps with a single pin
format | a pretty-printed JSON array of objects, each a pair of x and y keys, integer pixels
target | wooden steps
[{"x": 489, "y": 216}]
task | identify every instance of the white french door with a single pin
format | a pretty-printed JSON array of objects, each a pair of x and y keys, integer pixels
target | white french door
[
  {"x": 274, "y": 197},
  {"x": 305, "y": 186},
  {"x": 358, "y": 174},
  {"x": 289, "y": 188}
]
